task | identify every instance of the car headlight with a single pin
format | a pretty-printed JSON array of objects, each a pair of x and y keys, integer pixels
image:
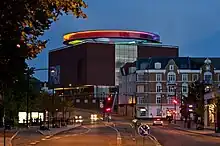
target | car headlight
[
  {"x": 76, "y": 117},
  {"x": 80, "y": 117}
]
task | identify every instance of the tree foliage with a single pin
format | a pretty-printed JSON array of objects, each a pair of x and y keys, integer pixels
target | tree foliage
[
  {"x": 22, "y": 23},
  {"x": 195, "y": 98}
]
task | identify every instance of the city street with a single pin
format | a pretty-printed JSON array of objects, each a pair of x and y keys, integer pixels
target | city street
[
  {"x": 169, "y": 136},
  {"x": 92, "y": 135}
]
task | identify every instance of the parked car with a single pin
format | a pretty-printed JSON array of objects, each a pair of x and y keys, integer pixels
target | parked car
[{"x": 158, "y": 122}]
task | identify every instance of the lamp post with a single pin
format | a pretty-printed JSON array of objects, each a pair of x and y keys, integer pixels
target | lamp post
[
  {"x": 27, "y": 95},
  {"x": 53, "y": 101}
]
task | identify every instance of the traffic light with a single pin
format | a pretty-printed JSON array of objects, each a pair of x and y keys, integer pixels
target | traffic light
[
  {"x": 108, "y": 103},
  {"x": 108, "y": 110},
  {"x": 175, "y": 101}
]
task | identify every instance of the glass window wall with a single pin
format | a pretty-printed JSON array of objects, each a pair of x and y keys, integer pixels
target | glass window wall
[{"x": 123, "y": 54}]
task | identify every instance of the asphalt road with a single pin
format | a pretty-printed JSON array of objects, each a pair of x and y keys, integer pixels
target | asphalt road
[
  {"x": 86, "y": 135},
  {"x": 27, "y": 136},
  {"x": 169, "y": 136},
  {"x": 89, "y": 134},
  {"x": 130, "y": 137}
]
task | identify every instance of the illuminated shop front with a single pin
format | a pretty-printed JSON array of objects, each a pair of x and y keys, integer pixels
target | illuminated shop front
[{"x": 210, "y": 109}]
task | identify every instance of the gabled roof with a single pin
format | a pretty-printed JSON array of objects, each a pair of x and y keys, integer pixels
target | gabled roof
[{"x": 192, "y": 63}]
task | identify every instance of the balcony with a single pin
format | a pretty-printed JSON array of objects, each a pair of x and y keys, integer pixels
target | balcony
[
  {"x": 171, "y": 82},
  {"x": 170, "y": 93},
  {"x": 208, "y": 82}
]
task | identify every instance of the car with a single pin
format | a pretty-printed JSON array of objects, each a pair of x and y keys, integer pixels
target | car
[
  {"x": 94, "y": 117},
  {"x": 158, "y": 122},
  {"x": 78, "y": 119}
]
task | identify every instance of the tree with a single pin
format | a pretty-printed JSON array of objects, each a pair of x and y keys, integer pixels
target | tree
[
  {"x": 196, "y": 98},
  {"x": 68, "y": 105},
  {"x": 217, "y": 103},
  {"x": 22, "y": 22}
]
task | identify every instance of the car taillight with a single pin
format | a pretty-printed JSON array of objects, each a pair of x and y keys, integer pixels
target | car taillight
[{"x": 158, "y": 119}]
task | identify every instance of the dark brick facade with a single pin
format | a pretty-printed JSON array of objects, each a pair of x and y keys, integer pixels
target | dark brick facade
[
  {"x": 157, "y": 51},
  {"x": 86, "y": 64},
  {"x": 94, "y": 63}
]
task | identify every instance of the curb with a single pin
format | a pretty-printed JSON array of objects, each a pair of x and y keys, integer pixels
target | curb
[
  {"x": 195, "y": 132},
  {"x": 10, "y": 140},
  {"x": 155, "y": 141}
]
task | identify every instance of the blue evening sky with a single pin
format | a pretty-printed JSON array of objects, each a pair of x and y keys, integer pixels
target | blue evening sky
[{"x": 193, "y": 25}]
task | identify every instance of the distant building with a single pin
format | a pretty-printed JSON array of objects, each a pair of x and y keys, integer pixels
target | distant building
[{"x": 161, "y": 80}]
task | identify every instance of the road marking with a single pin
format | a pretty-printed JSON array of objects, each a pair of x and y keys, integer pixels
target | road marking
[
  {"x": 47, "y": 137},
  {"x": 56, "y": 138},
  {"x": 34, "y": 143}
]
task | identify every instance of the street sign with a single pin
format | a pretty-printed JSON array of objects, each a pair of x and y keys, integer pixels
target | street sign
[{"x": 143, "y": 130}]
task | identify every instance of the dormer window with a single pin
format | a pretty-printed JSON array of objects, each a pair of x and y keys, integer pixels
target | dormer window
[
  {"x": 157, "y": 65},
  {"x": 171, "y": 67},
  {"x": 144, "y": 66}
]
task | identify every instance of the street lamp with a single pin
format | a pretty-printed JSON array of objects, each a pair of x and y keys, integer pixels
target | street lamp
[{"x": 28, "y": 73}]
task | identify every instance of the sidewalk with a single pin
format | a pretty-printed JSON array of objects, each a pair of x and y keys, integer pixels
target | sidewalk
[
  {"x": 209, "y": 131},
  {"x": 7, "y": 141},
  {"x": 9, "y": 134}
]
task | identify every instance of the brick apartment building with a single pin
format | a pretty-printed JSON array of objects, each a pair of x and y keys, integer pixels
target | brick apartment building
[{"x": 153, "y": 83}]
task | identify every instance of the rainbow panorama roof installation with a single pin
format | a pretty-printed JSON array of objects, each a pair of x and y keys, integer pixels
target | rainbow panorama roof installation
[{"x": 110, "y": 36}]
